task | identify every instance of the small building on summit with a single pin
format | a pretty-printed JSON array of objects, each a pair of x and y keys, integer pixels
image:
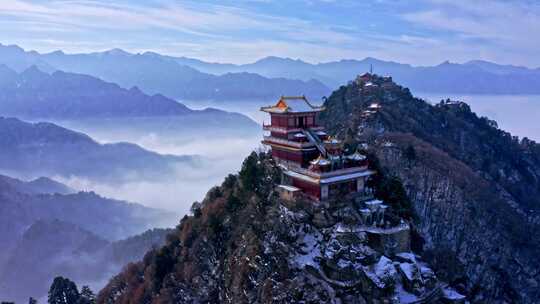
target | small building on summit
[{"x": 313, "y": 162}]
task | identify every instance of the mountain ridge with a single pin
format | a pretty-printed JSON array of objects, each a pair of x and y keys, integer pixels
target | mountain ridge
[
  {"x": 470, "y": 229},
  {"x": 245, "y": 244},
  {"x": 159, "y": 74},
  {"x": 102, "y": 219},
  {"x": 52, "y": 247},
  {"x": 33, "y": 93},
  {"x": 472, "y": 77},
  {"x": 333, "y": 73},
  {"x": 40, "y": 185},
  {"x": 46, "y": 149},
  {"x": 473, "y": 185}
]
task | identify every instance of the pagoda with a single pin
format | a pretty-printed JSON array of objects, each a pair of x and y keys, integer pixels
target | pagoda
[{"x": 313, "y": 163}]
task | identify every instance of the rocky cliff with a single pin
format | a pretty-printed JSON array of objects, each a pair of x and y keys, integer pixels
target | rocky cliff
[
  {"x": 474, "y": 188},
  {"x": 460, "y": 222},
  {"x": 245, "y": 244}
]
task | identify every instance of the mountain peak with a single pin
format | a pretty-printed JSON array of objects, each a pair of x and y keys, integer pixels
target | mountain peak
[
  {"x": 446, "y": 62},
  {"x": 12, "y": 47},
  {"x": 33, "y": 71},
  {"x": 300, "y": 251},
  {"x": 135, "y": 90},
  {"x": 276, "y": 59},
  {"x": 57, "y": 53},
  {"x": 4, "y": 68},
  {"x": 117, "y": 52},
  {"x": 391, "y": 121}
]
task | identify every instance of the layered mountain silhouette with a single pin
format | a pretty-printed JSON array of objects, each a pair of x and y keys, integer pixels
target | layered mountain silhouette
[
  {"x": 180, "y": 77},
  {"x": 188, "y": 78},
  {"x": 41, "y": 185},
  {"x": 111, "y": 219},
  {"x": 46, "y": 149},
  {"x": 36, "y": 94},
  {"x": 46, "y": 228},
  {"x": 157, "y": 74},
  {"x": 50, "y": 247},
  {"x": 473, "y": 77}
]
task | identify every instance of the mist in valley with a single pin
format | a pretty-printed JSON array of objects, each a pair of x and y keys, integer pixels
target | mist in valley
[
  {"x": 219, "y": 151},
  {"x": 223, "y": 146},
  {"x": 250, "y": 108},
  {"x": 223, "y": 151}
]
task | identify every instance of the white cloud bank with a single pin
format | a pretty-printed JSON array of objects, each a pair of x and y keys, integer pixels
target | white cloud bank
[{"x": 424, "y": 32}]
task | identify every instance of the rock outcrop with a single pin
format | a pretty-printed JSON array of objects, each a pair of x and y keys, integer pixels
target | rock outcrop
[
  {"x": 474, "y": 188},
  {"x": 244, "y": 244},
  {"x": 460, "y": 221}
]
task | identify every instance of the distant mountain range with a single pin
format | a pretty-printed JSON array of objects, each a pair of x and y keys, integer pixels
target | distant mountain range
[
  {"x": 49, "y": 248},
  {"x": 473, "y": 77},
  {"x": 158, "y": 74},
  {"x": 41, "y": 185},
  {"x": 111, "y": 219},
  {"x": 182, "y": 77},
  {"x": 52, "y": 247},
  {"x": 46, "y": 229},
  {"x": 36, "y": 94},
  {"x": 45, "y": 149}
]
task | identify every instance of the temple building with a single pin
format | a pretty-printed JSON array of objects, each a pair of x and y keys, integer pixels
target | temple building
[{"x": 313, "y": 163}]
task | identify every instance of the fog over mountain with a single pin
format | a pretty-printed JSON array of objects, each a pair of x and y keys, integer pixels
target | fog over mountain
[
  {"x": 311, "y": 152},
  {"x": 46, "y": 228},
  {"x": 36, "y": 149},
  {"x": 51, "y": 247},
  {"x": 116, "y": 117},
  {"x": 126, "y": 139},
  {"x": 41, "y": 185},
  {"x": 117, "y": 219}
]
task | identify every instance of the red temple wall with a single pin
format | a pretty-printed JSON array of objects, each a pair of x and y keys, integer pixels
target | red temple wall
[
  {"x": 287, "y": 155},
  {"x": 293, "y": 120},
  {"x": 344, "y": 187},
  {"x": 279, "y": 135},
  {"x": 308, "y": 188}
]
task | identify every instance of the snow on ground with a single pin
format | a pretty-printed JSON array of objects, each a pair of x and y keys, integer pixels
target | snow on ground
[
  {"x": 310, "y": 250},
  {"x": 407, "y": 256},
  {"x": 409, "y": 270},
  {"x": 451, "y": 294},
  {"x": 404, "y": 296},
  {"x": 341, "y": 228},
  {"x": 382, "y": 272}
]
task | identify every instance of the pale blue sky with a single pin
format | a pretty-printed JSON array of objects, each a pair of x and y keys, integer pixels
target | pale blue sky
[{"x": 420, "y": 32}]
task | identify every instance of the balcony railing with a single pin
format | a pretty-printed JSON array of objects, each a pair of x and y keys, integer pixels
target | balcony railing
[
  {"x": 300, "y": 145},
  {"x": 269, "y": 127},
  {"x": 322, "y": 175}
]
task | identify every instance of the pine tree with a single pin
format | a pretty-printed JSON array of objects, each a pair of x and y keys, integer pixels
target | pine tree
[
  {"x": 32, "y": 301},
  {"x": 410, "y": 153},
  {"x": 63, "y": 291},
  {"x": 250, "y": 172},
  {"x": 87, "y": 296}
]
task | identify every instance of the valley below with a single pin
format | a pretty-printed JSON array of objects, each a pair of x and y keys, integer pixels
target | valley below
[
  {"x": 138, "y": 177},
  {"x": 219, "y": 145}
]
